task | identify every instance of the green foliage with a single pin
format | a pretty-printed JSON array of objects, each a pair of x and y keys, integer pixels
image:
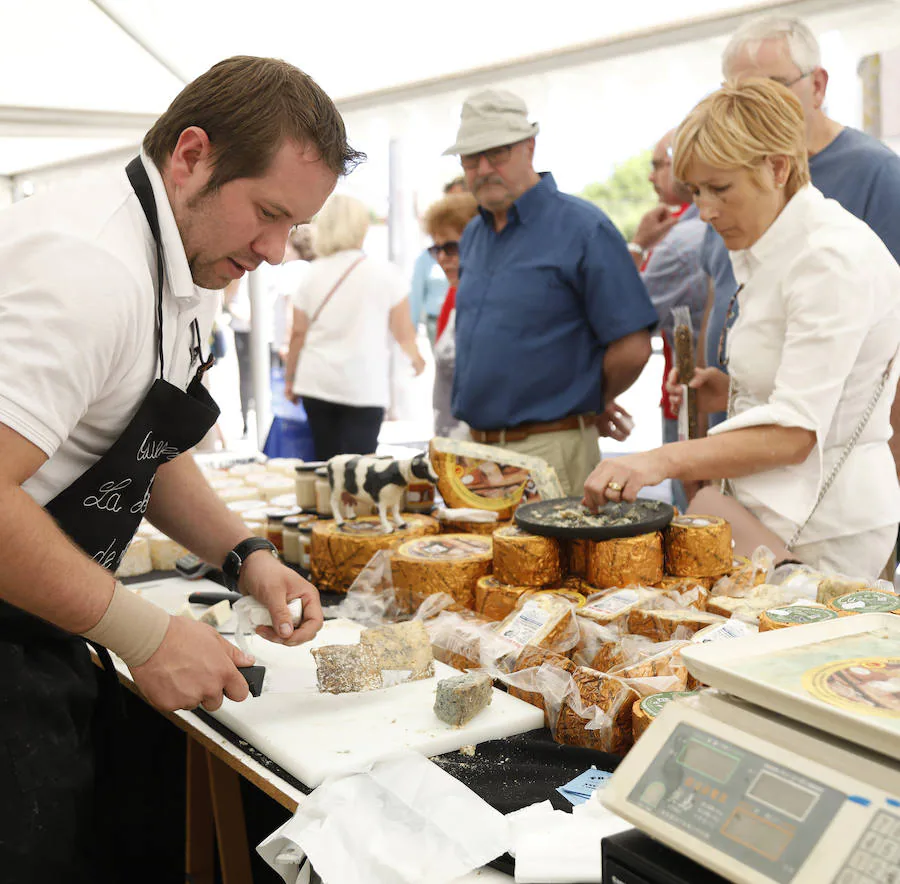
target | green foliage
[{"x": 626, "y": 194}]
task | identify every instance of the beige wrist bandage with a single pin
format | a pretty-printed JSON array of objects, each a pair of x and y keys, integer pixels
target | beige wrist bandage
[{"x": 132, "y": 627}]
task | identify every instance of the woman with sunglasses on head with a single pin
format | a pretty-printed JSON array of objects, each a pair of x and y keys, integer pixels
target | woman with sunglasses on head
[
  {"x": 445, "y": 222},
  {"x": 810, "y": 352}
]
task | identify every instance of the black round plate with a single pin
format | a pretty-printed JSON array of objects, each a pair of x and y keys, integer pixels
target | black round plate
[{"x": 644, "y": 516}]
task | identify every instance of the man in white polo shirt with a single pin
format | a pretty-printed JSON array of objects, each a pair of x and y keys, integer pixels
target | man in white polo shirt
[{"x": 106, "y": 301}]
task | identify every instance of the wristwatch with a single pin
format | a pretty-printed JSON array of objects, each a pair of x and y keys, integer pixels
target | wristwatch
[{"x": 235, "y": 559}]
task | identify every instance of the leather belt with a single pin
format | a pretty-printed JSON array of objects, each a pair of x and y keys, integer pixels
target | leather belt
[{"x": 523, "y": 431}]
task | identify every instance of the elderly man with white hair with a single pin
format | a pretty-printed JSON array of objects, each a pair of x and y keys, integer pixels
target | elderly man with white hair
[{"x": 845, "y": 164}]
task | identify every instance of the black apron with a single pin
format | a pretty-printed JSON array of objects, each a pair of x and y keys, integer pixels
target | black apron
[{"x": 55, "y": 721}]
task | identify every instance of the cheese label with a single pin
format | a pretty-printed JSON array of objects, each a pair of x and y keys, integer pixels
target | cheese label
[
  {"x": 612, "y": 604},
  {"x": 866, "y": 686},
  {"x": 529, "y": 620},
  {"x": 800, "y": 614},
  {"x": 731, "y": 629},
  {"x": 654, "y": 704},
  {"x": 448, "y": 547},
  {"x": 867, "y": 601}
]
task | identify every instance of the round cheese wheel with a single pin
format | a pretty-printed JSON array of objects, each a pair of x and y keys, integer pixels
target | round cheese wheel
[
  {"x": 644, "y": 711},
  {"x": 523, "y": 559},
  {"x": 136, "y": 560},
  {"x": 794, "y": 615},
  {"x": 866, "y": 601},
  {"x": 246, "y": 469},
  {"x": 238, "y": 492},
  {"x": 625, "y": 561},
  {"x": 470, "y": 526},
  {"x": 451, "y": 563},
  {"x": 494, "y": 599},
  {"x": 338, "y": 554},
  {"x": 698, "y": 546}
]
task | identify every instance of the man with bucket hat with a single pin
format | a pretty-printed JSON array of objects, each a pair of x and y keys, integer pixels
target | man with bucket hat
[{"x": 552, "y": 317}]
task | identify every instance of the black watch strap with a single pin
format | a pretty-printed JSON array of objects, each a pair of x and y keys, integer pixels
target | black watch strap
[{"x": 231, "y": 567}]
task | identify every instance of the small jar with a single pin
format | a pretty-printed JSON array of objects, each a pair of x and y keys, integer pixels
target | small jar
[
  {"x": 305, "y": 537},
  {"x": 290, "y": 539},
  {"x": 323, "y": 493},
  {"x": 305, "y": 484},
  {"x": 274, "y": 525}
]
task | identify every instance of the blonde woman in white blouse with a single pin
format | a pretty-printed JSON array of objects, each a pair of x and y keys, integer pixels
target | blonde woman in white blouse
[{"x": 818, "y": 325}]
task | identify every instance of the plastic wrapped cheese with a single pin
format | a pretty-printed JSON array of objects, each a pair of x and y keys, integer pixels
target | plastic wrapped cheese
[
  {"x": 866, "y": 601},
  {"x": 834, "y": 586},
  {"x": 698, "y": 546},
  {"x": 733, "y": 628},
  {"x": 655, "y": 659},
  {"x": 494, "y": 599},
  {"x": 664, "y": 625},
  {"x": 339, "y": 553},
  {"x": 523, "y": 559},
  {"x": 615, "y": 605},
  {"x": 545, "y": 620},
  {"x": 748, "y": 606},
  {"x": 625, "y": 561},
  {"x": 451, "y": 563},
  {"x": 794, "y": 615},
  {"x": 533, "y": 657}
]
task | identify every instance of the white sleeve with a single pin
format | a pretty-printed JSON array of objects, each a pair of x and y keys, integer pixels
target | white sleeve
[
  {"x": 300, "y": 296},
  {"x": 829, "y": 313},
  {"x": 66, "y": 311}
]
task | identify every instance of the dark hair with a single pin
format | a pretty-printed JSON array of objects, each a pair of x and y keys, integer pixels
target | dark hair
[{"x": 248, "y": 107}]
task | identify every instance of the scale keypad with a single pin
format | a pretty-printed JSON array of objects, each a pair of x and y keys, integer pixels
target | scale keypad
[{"x": 876, "y": 857}]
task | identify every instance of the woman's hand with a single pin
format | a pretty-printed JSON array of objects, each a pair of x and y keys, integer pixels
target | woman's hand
[
  {"x": 289, "y": 393},
  {"x": 621, "y": 478},
  {"x": 711, "y": 385},
  {"x": 418, "y": 363}
]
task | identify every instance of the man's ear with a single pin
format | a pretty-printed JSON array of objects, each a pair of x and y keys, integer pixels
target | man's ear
[
  {"x": 819, "y": 79},
  {"x": 191, "y": 159}
]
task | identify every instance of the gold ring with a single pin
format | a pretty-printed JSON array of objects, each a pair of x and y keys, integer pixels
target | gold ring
[{"x": 614, "y": 486}]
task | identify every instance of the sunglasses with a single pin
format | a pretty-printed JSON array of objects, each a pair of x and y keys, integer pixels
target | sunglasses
[{"x": 450, "y": 249}]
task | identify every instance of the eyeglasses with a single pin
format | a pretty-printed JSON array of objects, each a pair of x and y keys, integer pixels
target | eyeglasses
[
  {"x": 450, "y": 249},
  {"x": 496, "y": 156},
  {"x": 789, "y": 83},
  {"x": 730, "y": 317}
]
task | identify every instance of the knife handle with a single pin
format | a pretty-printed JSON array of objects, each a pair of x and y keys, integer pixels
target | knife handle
[{"x": 212, "y": 596}]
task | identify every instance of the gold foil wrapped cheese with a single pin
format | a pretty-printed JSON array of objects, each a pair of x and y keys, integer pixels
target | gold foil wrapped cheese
[
  {"x": 471, "y": 526},
  {"x": 338, "y": 554},
  {"x": 495, "y": 600},
  {"x": 533, "y": 657},
  {"x": 450, "y": 563},
  {"x": 577, "y": 555},
  {"x": 698, "y": 546},
  {"x": 625, "y": 561},
  {"x": 523, "y": 559}
]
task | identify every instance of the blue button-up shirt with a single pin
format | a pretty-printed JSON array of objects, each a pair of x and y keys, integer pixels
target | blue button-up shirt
[{"x": 537, "y": 305}]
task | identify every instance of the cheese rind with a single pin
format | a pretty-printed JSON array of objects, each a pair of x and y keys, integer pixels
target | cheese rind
[
  {"x": 625, "y": 561},
  {"x": 523, "y": 559},
  {"x": 662, "y": 624},
  {"x": 699, "y": 546},
  {"x": 496, "y": 600},
  {"x": 459, "y": 699},
  {"x": 164, "y": 553},
  {"x": 794, "y": 615},
  {"x": 867, "y": 601}
]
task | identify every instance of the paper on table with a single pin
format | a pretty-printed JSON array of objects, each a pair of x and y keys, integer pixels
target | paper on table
[
  {"x": 554, "y": 847},
  {"x": 401, "y": 821}
]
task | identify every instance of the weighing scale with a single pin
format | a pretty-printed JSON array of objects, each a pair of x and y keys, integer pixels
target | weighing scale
[{"x": 787, "y": 772}]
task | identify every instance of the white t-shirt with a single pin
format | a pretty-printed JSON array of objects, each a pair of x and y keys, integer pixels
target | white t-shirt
[
  {"x": 819, "y": 322},
  {"x": 78, "y": 319},
  {"x": 346, "y": 355}
]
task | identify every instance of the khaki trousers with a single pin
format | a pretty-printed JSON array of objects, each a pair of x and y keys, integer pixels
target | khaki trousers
[{"x": 572, "y": 453}]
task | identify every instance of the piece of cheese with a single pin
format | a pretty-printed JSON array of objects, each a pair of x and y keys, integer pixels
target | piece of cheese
[
  {"x": 136, "y": 560},
  {"x": 400, "y": 651},
  {"x": 794, "y": 615},
  {"x": 543, "y": 620},
  {"x": 533, "y": 657},
  {"x": 652, "y": 663},
  {"x": 339, "y": 553},
  {"x": 683, "y": 584},
  {"x": 523, "y": 559},
  {"x": 831, "y": 588},
  {"x": 609, "y": 694},
  {"x": 217, "y": 615},
  {"x": 487, "y": 478},
  {"x": 450, "y": 563},
  {"x": 344, "y": 669},
  {"x": 866, "y": 601},
  {"x": 663, "y": 625},
  {"x": 757, "y": 600},
  {"x": 614, "y": 606},
  {"x": 734, "y": 628},
  {"x": 625, "y": 561},
  {"x": 164, "y": 553},
  {"x": 698, "y": 546},
  {"x": 495, "y": 600},
  {"x": 648, "y": 708},
  {"x": 599, "y": 646},
  {"x": 238, "y": 492},
  {"x": 459, "y": 699}
]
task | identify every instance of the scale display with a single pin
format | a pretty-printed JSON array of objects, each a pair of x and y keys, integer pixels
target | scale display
[{"x": 765, "y": 816}]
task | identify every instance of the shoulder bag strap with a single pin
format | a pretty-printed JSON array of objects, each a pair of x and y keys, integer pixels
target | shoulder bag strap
[{"x": 335, "y": 287}]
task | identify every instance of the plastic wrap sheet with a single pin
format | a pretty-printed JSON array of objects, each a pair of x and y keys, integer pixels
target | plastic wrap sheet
[{"x": 748, "y": 573}]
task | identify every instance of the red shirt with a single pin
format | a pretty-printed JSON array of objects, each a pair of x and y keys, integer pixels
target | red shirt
[{"x": 446, "y": 309}]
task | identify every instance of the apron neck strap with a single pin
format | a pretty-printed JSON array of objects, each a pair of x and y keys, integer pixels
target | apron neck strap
[{"x": 140, "y": 182}]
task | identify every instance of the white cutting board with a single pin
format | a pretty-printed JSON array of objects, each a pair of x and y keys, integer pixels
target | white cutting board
[{"x": 314, "y": 735}]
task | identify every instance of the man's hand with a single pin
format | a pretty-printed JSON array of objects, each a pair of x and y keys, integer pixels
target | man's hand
[
  {"x": 711, "y": 386},
  {"x": 615, "y": 422},
  {"x": 289, "y": 393},
  {"x": 654, "y": 226},
  {"x": 193, "y": 665},
  {"x": 271, "y": 583},
  {"x": 621, "y": 478}
]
